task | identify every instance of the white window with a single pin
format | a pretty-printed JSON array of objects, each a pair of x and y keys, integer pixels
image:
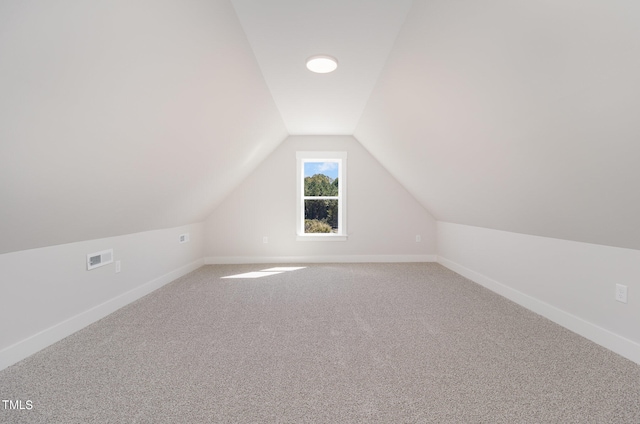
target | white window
[{"x": 322, "y": 196}]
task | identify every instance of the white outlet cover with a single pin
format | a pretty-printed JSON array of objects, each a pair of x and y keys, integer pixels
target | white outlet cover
[{"x": 621, "y": 293}]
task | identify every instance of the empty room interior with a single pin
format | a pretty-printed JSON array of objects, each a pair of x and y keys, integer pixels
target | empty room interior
[{"x": 320, "y": 211}]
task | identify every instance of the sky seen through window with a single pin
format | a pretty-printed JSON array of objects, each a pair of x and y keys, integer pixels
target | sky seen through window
[{"x": 328, "y": 168}]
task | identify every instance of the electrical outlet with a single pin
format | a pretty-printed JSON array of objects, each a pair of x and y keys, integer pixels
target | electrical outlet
[
  {"x": 621, "y": 293},
  {"x": 418, "y": 239},
  {"x": 265, "y": 239},
  {"x": 117, "y": 266}
]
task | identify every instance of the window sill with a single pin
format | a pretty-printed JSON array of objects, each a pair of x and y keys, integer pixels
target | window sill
[{"x": 318, "y": 237}]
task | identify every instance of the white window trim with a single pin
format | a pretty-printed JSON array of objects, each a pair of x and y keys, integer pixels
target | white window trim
[{"x": 341, "y": 158}]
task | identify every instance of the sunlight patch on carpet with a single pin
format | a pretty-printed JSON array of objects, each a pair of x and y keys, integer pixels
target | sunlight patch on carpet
[{"x": 266, "y": 272}]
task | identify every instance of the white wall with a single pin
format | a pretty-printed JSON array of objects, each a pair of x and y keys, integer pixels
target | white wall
[
  {"x": 569, "y": 282},
  {"x": 382, "y": 217},
  {"x": 47, "y": 293}
]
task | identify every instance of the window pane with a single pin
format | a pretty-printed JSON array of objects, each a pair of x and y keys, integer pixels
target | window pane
[
  {"x": 321, "y": 178},
  {"x": 321, "y": 216}
]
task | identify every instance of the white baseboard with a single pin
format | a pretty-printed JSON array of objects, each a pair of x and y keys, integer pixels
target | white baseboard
[
  {"x": 222, "y": 260},
  {"x": 612, "y": 341},
  {"x": 27, "y": 347}
]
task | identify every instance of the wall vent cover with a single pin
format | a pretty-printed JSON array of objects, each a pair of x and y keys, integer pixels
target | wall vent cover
[{"x": 98, "y": 259}]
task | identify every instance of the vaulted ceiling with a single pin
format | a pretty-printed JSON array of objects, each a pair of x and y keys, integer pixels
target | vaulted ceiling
[
  {"x": 120, "y": 117},
  {"x": 517, "y": 116},
  {"x": 284, "y": 33}
]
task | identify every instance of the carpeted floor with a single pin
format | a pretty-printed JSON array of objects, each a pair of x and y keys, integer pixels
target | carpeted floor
[{"x": 330, "y": 343}]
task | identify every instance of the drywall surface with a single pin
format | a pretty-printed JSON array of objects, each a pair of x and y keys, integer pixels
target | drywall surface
[
  {"x": 48, "y": 293},
  {"x": 122, "y": 117},
  {"x": 569, "y": 282},
  {"x": 283, "y": 33},
  {"x": 517, "y": 116},
  {"x": 382, "y": 217}
]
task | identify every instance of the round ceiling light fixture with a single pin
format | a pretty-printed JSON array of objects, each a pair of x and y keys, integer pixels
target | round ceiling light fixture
[{"x": 322, "y": 64}]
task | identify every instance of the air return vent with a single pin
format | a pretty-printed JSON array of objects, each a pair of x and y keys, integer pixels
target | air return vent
[{"x": 98, "y": 259}]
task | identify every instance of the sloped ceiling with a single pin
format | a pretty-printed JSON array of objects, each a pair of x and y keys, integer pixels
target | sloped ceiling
[
  {"x": 121, "y": 117},
  {"x": 284, "y": 33},
  {"x": 517, "y": 116}
]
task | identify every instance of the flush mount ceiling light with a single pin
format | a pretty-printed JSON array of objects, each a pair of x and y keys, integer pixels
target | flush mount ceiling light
[{"x": 322, "y": 64}]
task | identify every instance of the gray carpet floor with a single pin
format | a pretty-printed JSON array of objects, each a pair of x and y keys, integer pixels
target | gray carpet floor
[{"x": 330, "y": 343}]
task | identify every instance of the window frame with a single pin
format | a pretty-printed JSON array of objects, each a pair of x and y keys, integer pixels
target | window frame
[{"x": 303, "y": 157}]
